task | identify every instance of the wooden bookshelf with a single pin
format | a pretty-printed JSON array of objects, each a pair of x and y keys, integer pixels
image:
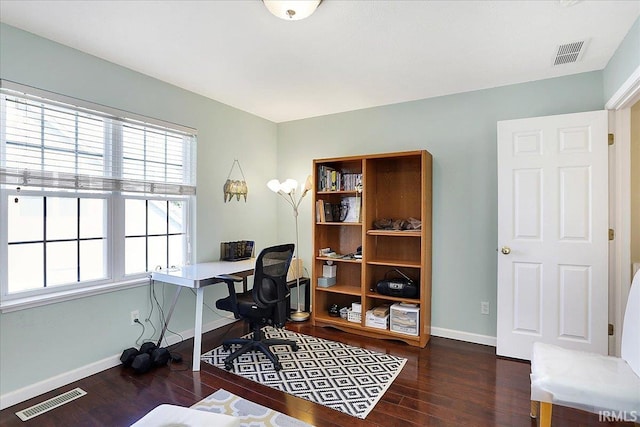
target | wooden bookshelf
[{"x": 393, "y": 186}]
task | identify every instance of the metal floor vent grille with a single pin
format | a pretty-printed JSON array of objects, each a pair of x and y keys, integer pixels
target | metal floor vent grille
[{"x": 50, "y": 404}]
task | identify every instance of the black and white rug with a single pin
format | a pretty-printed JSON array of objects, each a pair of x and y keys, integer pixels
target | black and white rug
[{"x": 348, "y": 379}]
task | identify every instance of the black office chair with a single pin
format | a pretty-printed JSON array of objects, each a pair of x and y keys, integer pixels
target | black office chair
[{"x": 259, "y": 306}]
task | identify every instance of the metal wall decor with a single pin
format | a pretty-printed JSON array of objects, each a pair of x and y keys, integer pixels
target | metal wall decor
[{"x": 235, "y": 187}]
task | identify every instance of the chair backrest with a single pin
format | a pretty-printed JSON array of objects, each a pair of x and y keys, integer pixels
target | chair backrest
[
  {"x": 270, "y": 275},
  {"x": 630, "y": 351}
]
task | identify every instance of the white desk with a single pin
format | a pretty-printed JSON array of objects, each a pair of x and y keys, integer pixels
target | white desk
[{"x": 197, "y": 276}]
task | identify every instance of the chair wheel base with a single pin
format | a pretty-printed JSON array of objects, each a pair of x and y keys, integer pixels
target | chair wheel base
[{"x": 228, "y": 366}]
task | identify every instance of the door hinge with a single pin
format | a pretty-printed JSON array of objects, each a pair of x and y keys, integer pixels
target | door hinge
[
  {"x": 611, "y": 139},
  {"x": 612, "y": 234},
  {"x": 611, "y": 329}
]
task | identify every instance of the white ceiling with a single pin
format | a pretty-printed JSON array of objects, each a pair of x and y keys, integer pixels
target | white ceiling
[{"x": 348, "y": 55}]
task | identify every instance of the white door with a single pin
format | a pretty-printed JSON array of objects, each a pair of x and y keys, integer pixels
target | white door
[{"x": 553, "y": 233}]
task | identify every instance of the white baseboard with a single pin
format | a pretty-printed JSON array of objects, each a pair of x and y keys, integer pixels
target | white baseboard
[
  {"x": 464, "y": 336},
  {"x": 33, "y": 390},
  {"x": 172, "y": 339}
]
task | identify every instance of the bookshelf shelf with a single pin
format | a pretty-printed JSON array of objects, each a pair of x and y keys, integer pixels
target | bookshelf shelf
[
  {"x": 341, "y": 289},
  {"x": 320, "y": 224},
  {"x": 395, "y": 263},
  {"x": 394, "y": 233},
  {"x": 343, "y": 192},
  {"x": 387, "y": 186},
  {"x": 350, "y": 260}
]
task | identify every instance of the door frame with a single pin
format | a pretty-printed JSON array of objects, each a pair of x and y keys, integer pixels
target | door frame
[{"x": 619, "y": 106}]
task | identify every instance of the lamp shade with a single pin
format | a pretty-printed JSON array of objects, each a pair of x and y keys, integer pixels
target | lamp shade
[
  {"x": 289, "y": 185},
  {"x": 274, "y": 185},
  {"x": 292, "y": 10}
]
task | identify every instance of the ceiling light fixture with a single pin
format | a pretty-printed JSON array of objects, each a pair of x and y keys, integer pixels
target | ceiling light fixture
[{"x": 292, "y": 10}]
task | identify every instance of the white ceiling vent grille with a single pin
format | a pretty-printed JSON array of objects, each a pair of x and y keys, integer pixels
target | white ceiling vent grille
[
  {"x": 570, "y": 52},
  {"x": 50, "y": 404}
]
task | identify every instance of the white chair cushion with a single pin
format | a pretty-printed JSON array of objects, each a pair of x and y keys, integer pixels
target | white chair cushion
[
  {"x": 583, "y": 380},
  {"x": 179, "y": 416}
]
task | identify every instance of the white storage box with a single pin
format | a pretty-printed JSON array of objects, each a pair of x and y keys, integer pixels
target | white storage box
[
  {"x": 357, "y": 307},
  {"x": 329, "y": 270},
  {"x": 354, "y": 316},
  {"x": 326, "y": 282},
  {"x": 374, "y": 321},
  {"x": 405, "y": 318}
]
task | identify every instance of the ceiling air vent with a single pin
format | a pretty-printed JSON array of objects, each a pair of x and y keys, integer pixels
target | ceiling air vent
[{"x": 570, "y": 52}]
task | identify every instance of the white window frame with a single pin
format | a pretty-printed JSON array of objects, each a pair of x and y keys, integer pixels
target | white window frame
[{"x": 115, "y": 220}]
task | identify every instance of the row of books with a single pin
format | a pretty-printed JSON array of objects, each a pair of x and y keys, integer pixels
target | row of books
[
  {"x": 348, "y": 210},
  {"x": 236, "y": 251},
  {"x": 330, "y": 179}
]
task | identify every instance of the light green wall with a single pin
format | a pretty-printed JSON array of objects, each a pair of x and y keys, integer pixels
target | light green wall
[
  {"x": 39, "y": 343},
  {"x": 460, "y": 132},
  {"x": 624, "y": 61}
]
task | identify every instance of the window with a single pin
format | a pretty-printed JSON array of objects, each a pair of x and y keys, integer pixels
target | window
[
  {"x": 154, "y": 234},
  {"x": 89, "y": 197},
  {"x": 55, "y": 241}
]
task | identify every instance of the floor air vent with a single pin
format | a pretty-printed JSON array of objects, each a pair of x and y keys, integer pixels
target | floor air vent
[
  {"x": 50, "y": 404},
  {"x": 569, "y": 52}
]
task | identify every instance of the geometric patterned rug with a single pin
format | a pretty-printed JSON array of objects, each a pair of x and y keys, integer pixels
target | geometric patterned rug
[
  {"x": 251, "y": 414},
  {"x": 345, "y": 378}
]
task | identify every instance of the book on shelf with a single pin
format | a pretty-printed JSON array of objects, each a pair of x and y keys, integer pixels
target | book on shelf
[
  {"x": 353, "y": 208},
  {"x": 324, "y": 177},
  {"x": 328, "y": 212},
  {"x": 350, "y": 181},
  {"x": 320, "y": 210},
  {"x": 330, "y": 179}
]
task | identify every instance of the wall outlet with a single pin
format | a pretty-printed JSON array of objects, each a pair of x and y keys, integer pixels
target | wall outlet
[
  {"x": 484, "y": 307},
  {"x": 135, "y": 315}
]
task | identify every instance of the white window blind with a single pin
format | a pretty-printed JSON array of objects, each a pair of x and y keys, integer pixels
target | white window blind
[
  {"x": 52, "y": 144},
  {"x": 91, "y": 198}
]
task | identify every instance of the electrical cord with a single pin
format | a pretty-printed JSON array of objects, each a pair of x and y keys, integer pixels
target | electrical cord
[
  {"x": 141, "y": 333},
  {"x": 148, "y": 319},
  {"x": 155, "y": 302}
]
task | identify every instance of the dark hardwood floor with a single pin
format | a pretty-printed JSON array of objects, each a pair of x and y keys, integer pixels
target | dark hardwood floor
[{"x": 448, "y": 383}]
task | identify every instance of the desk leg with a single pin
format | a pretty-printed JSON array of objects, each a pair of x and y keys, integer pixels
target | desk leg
[{"x": 197, "y": 334}]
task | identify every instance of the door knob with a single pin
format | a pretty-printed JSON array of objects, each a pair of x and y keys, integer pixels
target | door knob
[{"x": 505, "y": 250}]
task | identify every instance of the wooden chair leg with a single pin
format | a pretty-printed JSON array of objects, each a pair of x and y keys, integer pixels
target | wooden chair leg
[
  {"x": 545, "y": 414},
  {"x": 535, "y": 408}
]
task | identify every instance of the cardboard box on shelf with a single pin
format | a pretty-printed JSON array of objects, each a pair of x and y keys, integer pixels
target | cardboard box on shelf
[{"x": 374, "y": 321}]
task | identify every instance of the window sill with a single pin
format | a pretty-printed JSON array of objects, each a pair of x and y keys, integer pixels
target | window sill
[{"x": 68, "y": 295}]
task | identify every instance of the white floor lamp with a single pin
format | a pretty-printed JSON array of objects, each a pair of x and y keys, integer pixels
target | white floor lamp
[{"x": 287, "y": 190}]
